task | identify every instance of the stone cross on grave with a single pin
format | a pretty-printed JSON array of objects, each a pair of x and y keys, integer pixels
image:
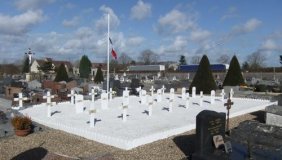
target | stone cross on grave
[
  {"x": 228, "y": 107},
  {"x": 72, "y": 95},
  {"x": 20, "y": 99},
  {"x": 139, "y": 89},
  {"x": 231, "y": 93},
  {"x": 92, "y": 94},
  {"x": 222, "y": 95},
  {"x": 49, "y": 103},
  {"x": 152, "y": 90},
  {"x": 163, "y": 89},
  {"x": 111, "y": 94},
  {"x": 187, "y": 100},
  {"x": 159, "y": 95},
  {"x": 92, "y": 113},
  {"x": 183, "y": 93}
]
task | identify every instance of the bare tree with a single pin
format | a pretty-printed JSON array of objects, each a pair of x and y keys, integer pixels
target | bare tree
[
  {"x": 124, "y": 59},
  {"x": 148, "y": 57},
  {"x": 224, "y": 59},
  {"x": 256, "y": 60},
  {"x": 195, "y": 59}
]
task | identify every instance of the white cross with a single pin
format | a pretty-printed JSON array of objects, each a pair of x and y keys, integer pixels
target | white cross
[
  {"x": 49, "y": 103},
  {"x": 72, "y": 95},
  {"x": 163, "y": 89},
  {"x": 187, "y": 100},
  {"x": 92, "y": 117},
  {"x": 111, "y": 94},
  {"x": 152, "y": 90},
  {"x": 231, "y": 93},
  {"x": 201, "y": 98},
  {"x": 222, "y": 95},
  {"x": 92, "y": 94},
  {"x": 20, "y": 99},
  {"x": 139, "y": 89}
]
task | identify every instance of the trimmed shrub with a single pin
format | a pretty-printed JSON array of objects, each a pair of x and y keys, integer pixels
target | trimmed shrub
[{"x": 234, "y": 75}]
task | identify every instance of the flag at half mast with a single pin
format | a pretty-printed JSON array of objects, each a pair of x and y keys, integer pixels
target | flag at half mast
[{"x": 114, "y": 54}]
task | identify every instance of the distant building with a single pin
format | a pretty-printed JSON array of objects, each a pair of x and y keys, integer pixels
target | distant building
[
  {"x": 94, "y": 69},
  {"x": 146, "y": 68},
  {"x": 55, "y": 64},
  {"x": 213, "y": 67}
]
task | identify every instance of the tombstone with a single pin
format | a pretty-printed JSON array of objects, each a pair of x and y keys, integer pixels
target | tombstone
[
  {"x": 274, "y": 115},
  {"x": 48, "y": 98},
  {"x": 79, "y": 105},
  {"x": 159, "y": 95},
  {"x": 139, "y": 90},
  {"x": 152, "y": 90},
  {"x": 104, "y": 101},
  {"x": 92, "y": 94},
  {"x": 111, "y": 94},
  {"x": 72, "y": 96},
  {"x": 193, "y": 92},
  {"x": 212, "y": 96},
  {"x": 143, "y": 97},
  {"x": 124, "y": 112},
  {"x": 183, "y": 96},
  {"x": 171, "y": 94},
  {"x": 163, "y": 89},
  {"x": 231, "y": 93},
  {"x": 170, "y": 105},
  {"x": 150, "y": 109},
  {"x": 187, "y": 102},
  {"x": 92, "y": 113},
  {"x": 125, "y": 96},
  {"x": 20, "y": 99},
  {"x": 201, "y": 98},
  {"x": 116, "y": 77},
  {"x": 222, "y": 95},
  {"x": 188, "y": 76},
  {"x": 208, "y": 124}
]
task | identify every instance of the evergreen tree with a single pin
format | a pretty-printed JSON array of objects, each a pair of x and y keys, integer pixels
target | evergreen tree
[
  {"x": 182, "y": 60},
  {"x": 99, "y": 76},
  {"x": 203, "y": 80},
  {"x": 234, "y": 75},
  {"x": 62, "y": 74},
  {"x": 84, "y": 67},
  {"x": 26, "y": 66},
  {"x": 46, "y": 67}
]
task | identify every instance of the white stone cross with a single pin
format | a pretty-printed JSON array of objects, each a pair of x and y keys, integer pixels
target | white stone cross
[
  {"x": 171, "y": 95},
  {"x": 193, "y": 92},
  {"x": 187, "y": 103},
  {"x": 124, "y": 112},
  {"x": 20, "y": 99},
  {"x": 72, "y": 96},
  {"x": 183, "y": 93},
  {"x": 231, "y": 93},
  {"x": 104, "y": 101},
  {"x": 159, "y": 95},
  {"x": 92, "y": 94},
  {"x": 152, "y": 90},
  {"x": 125, "y": 96},
  {"x": 201, "y": 98},
  {"x": 222, "y": 95},
  {"x": 163, "y": 89},
  {"x": 212, "y": 96},
  {"x": 150, "y": 109},
  {"x": 49, "y": 103},
  {"x": 79, "y": 105},
  {"x": 92, "y": 113},
  {"x": 139, "y": 89}
]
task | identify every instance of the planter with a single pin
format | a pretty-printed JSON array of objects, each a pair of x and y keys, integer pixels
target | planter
[{"x": 22, "y": 133}]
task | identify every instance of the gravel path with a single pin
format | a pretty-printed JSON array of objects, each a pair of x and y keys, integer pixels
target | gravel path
[{"x": 52, "y": 142}]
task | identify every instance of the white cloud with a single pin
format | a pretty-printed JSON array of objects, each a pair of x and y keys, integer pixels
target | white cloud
[
  {"x": 269, "y": 44},
  {"x": 31, "y": 4},
  {"x": 199, "y": 35},
  {"x": 20, "y": 24},
  {"x": 176, "y": 21},
  {"x": 135, "y": 41},
  {"x": 102, "y": 23},
  {"x": 248, "y": 27},
  {"x": 231, "y": 13},
  {"x": 141, "y": 10},
  {"x": 72, "y": 22}
]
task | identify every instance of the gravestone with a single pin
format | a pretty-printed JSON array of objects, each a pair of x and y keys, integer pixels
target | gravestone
[
  {"x": 143, "y": 97},
  {"x": 159, "y": 95},
  {"x": 20, "y": 99},
  {"x": 111, "y": 94},
  {"x": 49, "y": 104},
  {"x": 152, "y": 90},
  {"x": 212, "y": 96},
  {"x": 163, "y": 89},
  {"x": 92, "y": 113},
  {"x": 125, "y": 96},
  {"x": 274, "y": 115},
  {"x": 139, "y": 90},
  {"x": 222, "y": 95},
  {"x": 135, "y": 83},
  {"x": 171, "y": 94},
  {"x": 187, "y": 103},
  {"x": 72, "y": 96},
  {"x": 104, "y": 101},
  {"x": 208, "y": 124},
  {"x": 231, "y": 93},
  {"x": 201, "y": 98},
  {"x": 193, "y": 92},
  {"x": 79, "y": 104},
  {"x": 183, "y": 93}
]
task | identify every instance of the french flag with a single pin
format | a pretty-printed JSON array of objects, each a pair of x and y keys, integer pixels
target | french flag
[{"x": 114, "y": 54}]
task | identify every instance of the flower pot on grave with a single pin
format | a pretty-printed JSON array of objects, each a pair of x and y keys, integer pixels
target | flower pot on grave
[{"x": 22, "y": 133}]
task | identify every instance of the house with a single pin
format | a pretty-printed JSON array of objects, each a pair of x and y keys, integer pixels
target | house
[
  {"x": 34, "y": 68},
  {"x": 94, "y": 69}
]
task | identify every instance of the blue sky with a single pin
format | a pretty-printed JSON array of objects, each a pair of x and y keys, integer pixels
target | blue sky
[{"x": 67, "y": 29}]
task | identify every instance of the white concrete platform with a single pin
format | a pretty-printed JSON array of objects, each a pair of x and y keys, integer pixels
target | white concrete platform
[{"x": 139, "y": 129}]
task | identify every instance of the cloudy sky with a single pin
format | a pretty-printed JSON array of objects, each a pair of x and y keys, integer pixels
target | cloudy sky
[{"x": 67, "y": 29}]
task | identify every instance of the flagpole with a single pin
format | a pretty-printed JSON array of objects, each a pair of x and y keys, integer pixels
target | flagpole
[{"x": 108, "y": 58}]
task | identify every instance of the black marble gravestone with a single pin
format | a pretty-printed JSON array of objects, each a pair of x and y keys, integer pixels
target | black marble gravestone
[{"x": 208, "y": 124}]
